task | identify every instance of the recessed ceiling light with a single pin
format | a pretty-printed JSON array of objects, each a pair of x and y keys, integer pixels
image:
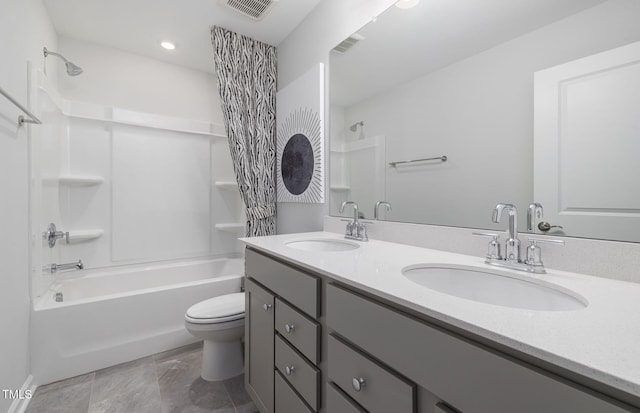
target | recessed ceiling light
[
  {"x": 406, "y": 4},
  {"x": 168, "y": 45}
]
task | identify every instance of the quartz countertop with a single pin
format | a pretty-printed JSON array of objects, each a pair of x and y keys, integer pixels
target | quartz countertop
[{"x": 601, "y": 341}]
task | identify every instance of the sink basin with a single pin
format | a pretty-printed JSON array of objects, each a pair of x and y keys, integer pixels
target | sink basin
[
  {"x": 493, "y": 287},
  {"x": 322, "y": 245}
]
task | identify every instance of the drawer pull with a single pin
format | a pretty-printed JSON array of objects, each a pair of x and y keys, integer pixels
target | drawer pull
[
  {"x": 267, "y": 307},
  {"x": 289, "y": 328},
  {"x": 358, "y": 383},
  {"x": 289, "y": 370}
]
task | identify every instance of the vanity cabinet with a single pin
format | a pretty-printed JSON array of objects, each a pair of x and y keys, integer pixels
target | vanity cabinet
[
  {"x": 259, "y": 345},
  {"x": 282, "y": 336},
  {"x": 363, "y": 353},
  {"x": 464, "y": 376}
]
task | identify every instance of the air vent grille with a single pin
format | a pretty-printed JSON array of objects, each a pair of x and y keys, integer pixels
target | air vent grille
[
  {"x": 255, "y": 9},
  {"x": 348, "y": 43}
]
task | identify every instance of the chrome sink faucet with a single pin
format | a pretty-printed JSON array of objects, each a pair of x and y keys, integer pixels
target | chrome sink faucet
[
  {"x": 512, "y": 259},
  {"x": 376, "y": 210},
  {"x": 356, "y": 229},
  {"x": 512, "y": 244},
  {"x": 534, "y": 213}
]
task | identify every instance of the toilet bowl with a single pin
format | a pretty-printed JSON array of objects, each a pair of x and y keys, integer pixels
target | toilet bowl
[{"x": 219, "y": 322}]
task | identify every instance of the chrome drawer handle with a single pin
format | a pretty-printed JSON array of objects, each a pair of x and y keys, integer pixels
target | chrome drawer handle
[
  {"x": 267, "y": 307},
  {"x": 358, "y": 383},
  {"x": 289, "y": 370},
  {"x": 289, "y": 328}
]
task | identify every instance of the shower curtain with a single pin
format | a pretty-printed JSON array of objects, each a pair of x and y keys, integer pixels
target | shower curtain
[{"x": 246, "y": 72}]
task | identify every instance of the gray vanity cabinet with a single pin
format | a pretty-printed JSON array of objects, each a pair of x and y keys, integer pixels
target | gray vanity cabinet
[
  {"x": 282, "y": 345},
  {"x": 362, "y": 353},
  {"x": 465, "y": 376},
  {"x": 259, "y": 345}
]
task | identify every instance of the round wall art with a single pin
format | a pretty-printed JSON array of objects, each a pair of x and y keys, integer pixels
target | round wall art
[{"x": 300, "y": 143}]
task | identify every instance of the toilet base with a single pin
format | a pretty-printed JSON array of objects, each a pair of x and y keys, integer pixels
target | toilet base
[{"x": 221, "y": 360}]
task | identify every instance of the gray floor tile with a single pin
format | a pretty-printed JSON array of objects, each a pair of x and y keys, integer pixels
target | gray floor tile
[
  {"x": 66, "y": 396},
  {"x": 183, "y": 391},
  {"x": 126, "y": 388},
  {"x": 167, "y": 382}
]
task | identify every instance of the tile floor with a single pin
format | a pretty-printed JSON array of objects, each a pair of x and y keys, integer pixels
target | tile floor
[{"x": 166, "y": 382}]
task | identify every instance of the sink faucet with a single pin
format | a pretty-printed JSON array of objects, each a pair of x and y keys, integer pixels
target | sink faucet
[
  {"x": 534, "y": 213},
  {"x": 512, "y": 258},
  {"x": 512, "y": 245},
  {"x": 376, "y": 211},
  {"x": 356, "y": 229}
]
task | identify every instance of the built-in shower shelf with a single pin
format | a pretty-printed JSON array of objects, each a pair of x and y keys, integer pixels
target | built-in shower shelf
[
  {"x": 80, "y": 180},
  {"x": 340, "y": 188},
  {"x": 84, "y": 235},
  {"x": 231, "y": 227},
  {"x": 227, "y": 185}
]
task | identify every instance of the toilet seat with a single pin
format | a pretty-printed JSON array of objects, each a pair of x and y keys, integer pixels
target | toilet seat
[{"x": 217, "y": 310}]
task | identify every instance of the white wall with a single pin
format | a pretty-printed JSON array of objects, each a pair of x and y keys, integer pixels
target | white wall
[
  {"x": 479, "y": 112},
  {"x": 121, "y": 79},
  {"x": 24, "y": 29},
  {"x": 327, "y": 25}
]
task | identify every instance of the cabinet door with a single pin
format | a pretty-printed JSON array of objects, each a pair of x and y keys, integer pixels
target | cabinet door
[{"x": 259, "y": 346}]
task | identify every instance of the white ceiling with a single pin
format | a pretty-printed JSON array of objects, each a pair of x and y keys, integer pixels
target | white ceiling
[
  {"x": 403, "y": 44},
  {"x": 139, "y": 26}
]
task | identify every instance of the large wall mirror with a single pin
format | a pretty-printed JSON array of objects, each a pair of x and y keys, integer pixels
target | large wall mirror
[{"x": 530, "y": 101}]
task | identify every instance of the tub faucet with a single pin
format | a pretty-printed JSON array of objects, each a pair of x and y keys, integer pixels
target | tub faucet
[
  {"x": 53, "y": 268},
  {"x": 512, "y": 244},
  {"x": 356, "y": 229}
]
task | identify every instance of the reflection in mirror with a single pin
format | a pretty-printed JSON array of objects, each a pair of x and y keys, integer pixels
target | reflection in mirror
[{"x": 455, "y": 78}]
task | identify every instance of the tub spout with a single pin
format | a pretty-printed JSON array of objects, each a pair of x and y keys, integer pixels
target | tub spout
[{"x": 53, "y": 268}]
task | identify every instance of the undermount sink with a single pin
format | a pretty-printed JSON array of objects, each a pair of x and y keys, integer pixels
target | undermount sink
[
  {"x": 493, "y": 287},
  {"x": 322, "y": 245}
]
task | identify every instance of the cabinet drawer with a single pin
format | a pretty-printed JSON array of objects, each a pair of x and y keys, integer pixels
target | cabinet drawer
[
  {"x": 371, "y": 385},
  {"x": 469, "y": 376},
  {"x": 297, "y": 287},
  {"x": 302, "y": 375},
  {"x": 286, "y": 399},
  {"x": 299, "y": 330},
  {"x": 339, "y": 402}
]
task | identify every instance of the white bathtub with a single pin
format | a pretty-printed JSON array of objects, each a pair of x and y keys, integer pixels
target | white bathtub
[{"x": 112, "y": 316}]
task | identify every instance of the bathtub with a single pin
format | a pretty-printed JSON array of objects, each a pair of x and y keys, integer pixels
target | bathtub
[{"x": 117, "y": 315}]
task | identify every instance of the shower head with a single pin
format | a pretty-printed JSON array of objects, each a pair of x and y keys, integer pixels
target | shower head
[
  {"x": 72, "y": 69},
  {"x": 354, "y": 127}
]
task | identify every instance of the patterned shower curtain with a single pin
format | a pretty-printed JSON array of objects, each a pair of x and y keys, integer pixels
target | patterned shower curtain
[{"x": 246, "y": 72}]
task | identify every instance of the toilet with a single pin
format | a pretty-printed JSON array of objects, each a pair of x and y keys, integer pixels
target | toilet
[{"x": 219, "y": 321}]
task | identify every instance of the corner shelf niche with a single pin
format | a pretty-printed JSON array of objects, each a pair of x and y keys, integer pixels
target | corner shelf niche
[
  {"x": 227, "y": 185},
  {"x": 80, "y": 180},
  {"x": 84, "y": 235},
  {"x": 230, "y": 227},
  {"x": 340, "y": 188}
]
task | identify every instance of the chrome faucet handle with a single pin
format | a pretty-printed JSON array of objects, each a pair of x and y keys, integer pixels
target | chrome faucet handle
[
  {"x": 534, "y": 253},
  {"x": 493, "y": 251}
]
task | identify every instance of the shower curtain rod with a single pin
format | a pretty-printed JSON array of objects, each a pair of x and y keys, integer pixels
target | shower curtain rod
[{"x": 21, "y": 119}]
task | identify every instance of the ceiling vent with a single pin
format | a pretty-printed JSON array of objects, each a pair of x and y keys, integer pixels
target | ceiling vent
[
  {"x": 254, "y": 9},
  {"x": 348, "y": 43}
]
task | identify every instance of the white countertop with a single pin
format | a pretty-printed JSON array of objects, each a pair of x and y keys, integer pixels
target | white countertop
[{"x": 601, "y": 341}]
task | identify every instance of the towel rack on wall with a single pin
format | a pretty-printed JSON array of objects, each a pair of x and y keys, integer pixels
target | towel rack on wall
[
  {"x": 442, "y": 158},
  {"x": 21, "y": 119}
]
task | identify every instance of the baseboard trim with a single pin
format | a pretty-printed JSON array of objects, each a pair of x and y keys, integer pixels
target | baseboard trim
[{"x": 20, "y": 405}]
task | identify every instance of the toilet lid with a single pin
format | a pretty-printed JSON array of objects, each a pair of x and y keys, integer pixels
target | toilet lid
[{"x": 218, "y": 309}]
